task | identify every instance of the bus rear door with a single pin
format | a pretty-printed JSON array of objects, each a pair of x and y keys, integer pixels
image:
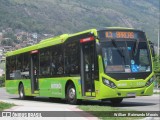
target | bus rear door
[{"x": 34, "y": 67}]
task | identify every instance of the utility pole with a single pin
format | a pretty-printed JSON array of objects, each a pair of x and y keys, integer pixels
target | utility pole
[
  {"x": 158, "y": 77},
  {"x": 158, "y": 33},
  {"x": 158, "y": 48}
]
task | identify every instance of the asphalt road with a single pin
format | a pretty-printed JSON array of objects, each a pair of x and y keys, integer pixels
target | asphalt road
[{"x": 145, "y": 103}]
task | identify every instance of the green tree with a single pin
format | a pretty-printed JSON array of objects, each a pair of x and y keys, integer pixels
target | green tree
[
  {"x": 7, "y": 42},
  {"x": 11, "y": 36},
  {"x": 156, "y": 66},
  {"x": 24, "y": 37}
]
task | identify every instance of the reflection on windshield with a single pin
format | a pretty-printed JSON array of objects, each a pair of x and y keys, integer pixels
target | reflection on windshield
[{"x": 125, "y": 56}]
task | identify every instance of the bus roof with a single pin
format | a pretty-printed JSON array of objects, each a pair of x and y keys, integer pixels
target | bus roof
[
  {"x": 118, "y": 28},
  {"x": 60, "y": 39},
  {"x": 48, "y": 42}
]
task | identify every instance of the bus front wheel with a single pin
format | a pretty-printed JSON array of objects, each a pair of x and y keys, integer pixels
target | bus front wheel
[
  {"x": 21, "y": 92},
  {"x": 71, "y": 94},
  {"x": 116, "y": 101}
]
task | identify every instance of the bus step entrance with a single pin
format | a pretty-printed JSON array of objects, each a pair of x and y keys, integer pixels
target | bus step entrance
[
  {"x": 36, "y": 92},
  {"x": 89, "y": 94},
  {"x": 88, "y": 97}
]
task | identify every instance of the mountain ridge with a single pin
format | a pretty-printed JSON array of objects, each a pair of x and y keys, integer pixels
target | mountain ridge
[{"x": 70, "y": 16}]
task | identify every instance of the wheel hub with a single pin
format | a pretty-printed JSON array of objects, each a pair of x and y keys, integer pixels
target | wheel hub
[
  {"x": 21, "y": 93},
  {"x": 72, "y": 93}
]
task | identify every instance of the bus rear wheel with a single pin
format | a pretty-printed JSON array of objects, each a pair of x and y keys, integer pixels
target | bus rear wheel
[
  {"x": 116, "y": 101},
  {"x": 21, "y": 92},
  {"x": 22, "y": 95},
  {"x": 71, "y": 94}
]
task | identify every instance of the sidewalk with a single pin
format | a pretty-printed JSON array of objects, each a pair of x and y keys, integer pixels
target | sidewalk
[{"x": 47, "y": 109}]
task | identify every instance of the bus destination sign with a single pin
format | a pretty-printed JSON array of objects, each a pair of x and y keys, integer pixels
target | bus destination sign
[{"x": 120, "y": 34}]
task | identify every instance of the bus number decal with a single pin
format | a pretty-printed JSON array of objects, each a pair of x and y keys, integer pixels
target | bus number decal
[{"x": 56, "y": 86}]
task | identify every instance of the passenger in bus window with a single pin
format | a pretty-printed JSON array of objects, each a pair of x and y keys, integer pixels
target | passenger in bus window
[{"x": 53, "y": 67}]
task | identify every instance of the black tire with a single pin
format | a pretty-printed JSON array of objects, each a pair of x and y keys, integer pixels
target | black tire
[
  {"x": 29, "y": 97},
  {"x": 22, "y": 95},
  {"x": 21, "y": 92},
  {"x": 116, "y": 101},
  {"x": 71, "y": 94}
]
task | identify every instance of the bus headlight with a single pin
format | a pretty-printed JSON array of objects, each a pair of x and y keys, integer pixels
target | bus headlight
[
  {"x": 149, "y": 82},
  {"x": 108, "y": 83}
]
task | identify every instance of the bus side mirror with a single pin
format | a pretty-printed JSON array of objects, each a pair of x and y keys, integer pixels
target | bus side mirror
[
  {"x": 152, "y": 48},
  {"x": 98, "y": 48}
]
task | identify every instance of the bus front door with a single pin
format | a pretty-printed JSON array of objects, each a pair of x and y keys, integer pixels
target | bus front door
[
  {"x": 34, "y": 72},
  {"x": 87, "y": 68}
]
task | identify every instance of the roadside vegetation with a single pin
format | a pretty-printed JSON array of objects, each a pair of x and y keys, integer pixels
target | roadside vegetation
[
  {"x": 2, "y": 65},
  {"x": 157, "y": 93},
  {"x": 2, "y": 81},
  {"x": 101, "y": 111},
  {"x": 156, "y": 65},
  {"x": 4, "y": 105}
]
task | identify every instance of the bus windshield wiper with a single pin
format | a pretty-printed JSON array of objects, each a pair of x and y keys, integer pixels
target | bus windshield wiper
[
  {"x": 119, "y": 50},
  {"x": 136, "y": 47}
]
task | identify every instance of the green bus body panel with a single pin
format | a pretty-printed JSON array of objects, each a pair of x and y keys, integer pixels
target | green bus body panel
[
  {"x": 55, "y": 87},
  {"x": 106, "y": 92},
  {"x": 131, "y": 86},
  {"x": 48, "y": 87},
  {"x": 12, "y": 86}
]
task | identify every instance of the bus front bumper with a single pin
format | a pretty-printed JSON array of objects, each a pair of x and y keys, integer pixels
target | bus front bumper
[{"x": 125, "y": 93}]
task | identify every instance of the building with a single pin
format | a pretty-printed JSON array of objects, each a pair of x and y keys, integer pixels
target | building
[{"x": 7, "y": 48}]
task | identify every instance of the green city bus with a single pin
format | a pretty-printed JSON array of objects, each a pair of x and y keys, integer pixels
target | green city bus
[{"x": 97, "y": 64}]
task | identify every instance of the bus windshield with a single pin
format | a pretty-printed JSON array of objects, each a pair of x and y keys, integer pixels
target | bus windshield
[{"x": 126, "y": 56}]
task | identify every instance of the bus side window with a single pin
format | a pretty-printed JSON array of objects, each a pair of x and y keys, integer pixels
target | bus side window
[
  {"x": 60, "y": 64},
  {"x": 45, "y": 62},
  {"x": 8, "y": 68},
  {"x": 19, "y": 60},
  {"x": 72, "y": 57},
  {"x": 53, "y": 67},
  {"x": 13, "y": 67},
  {"x": 57, "y": 62}
]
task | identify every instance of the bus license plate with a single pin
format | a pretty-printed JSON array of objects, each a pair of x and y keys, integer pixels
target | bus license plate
[{"x": 131, "y": 94}]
